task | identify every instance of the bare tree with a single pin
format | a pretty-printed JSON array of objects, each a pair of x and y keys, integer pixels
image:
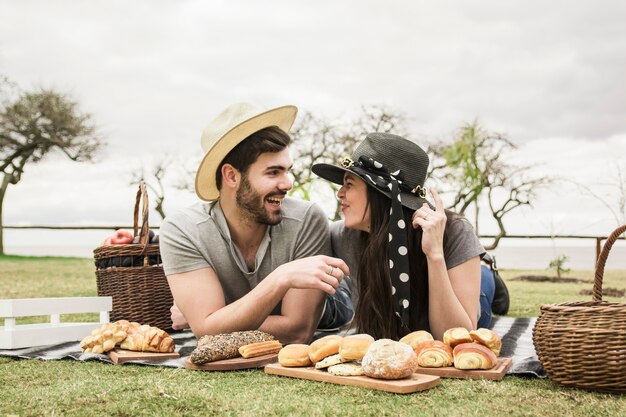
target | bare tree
[
  {"x": 156, "y": 173},
  {"x": 473, "y": 169},
  {"x": 33, "y": 125}
]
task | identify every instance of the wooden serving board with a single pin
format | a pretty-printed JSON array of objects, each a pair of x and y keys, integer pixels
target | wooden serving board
[
  {"x": 121, "y": 355},
  {"x": 417, "y": 382},
  {"x": 234, "y": 364},
  {"x": 495, "y": 373}
]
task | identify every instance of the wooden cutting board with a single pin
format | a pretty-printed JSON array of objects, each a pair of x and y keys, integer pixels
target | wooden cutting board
[
  {"x": 496, "y": 373},
  {"x": 121, "y": 355},
  {"x": 234, "y": 364},
  {"x": 417, "y": 382}
]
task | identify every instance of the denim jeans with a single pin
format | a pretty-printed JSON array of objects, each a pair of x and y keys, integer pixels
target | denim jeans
[
  {"x": 338, "y": 309},
  {"x": 487, "y": 290}
]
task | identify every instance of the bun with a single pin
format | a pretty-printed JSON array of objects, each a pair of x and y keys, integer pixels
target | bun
[
  {"x": 488, "y": 338},
  {"x": 414, "y": 338},
  {"x": 434, "y": 354},
  {"x": 387, "y": 359},
  {"x": 326, "y": 346},
  {"x": 456, "y": 336},
  {"x": 353, "y": 347},
  {"x": 294, "y": 355},
  {"x": 473, "y": 356}
]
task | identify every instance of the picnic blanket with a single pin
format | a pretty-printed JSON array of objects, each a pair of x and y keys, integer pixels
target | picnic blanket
[{"x": 516, "y": 336}]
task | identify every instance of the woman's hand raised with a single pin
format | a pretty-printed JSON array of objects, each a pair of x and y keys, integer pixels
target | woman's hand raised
[{"x": 433, "y": 224}]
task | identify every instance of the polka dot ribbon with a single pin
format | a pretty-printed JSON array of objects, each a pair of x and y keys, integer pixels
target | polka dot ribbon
[{"x": 378, "y": 176}]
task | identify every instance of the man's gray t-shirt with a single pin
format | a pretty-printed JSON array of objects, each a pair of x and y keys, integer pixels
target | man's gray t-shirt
[
  {"x": 198, "y": 237},
  {"x": 460, "y": 245}
]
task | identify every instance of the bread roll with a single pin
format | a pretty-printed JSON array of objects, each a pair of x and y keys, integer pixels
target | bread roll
[
  {"x": 330, "y": 361},
  {"x": 473, "y": 356},
  {"x": 326, "y": 346},
  {"x": 294, "y": 355},
  {"x": 488, "y": 338},
  {"x": 434, "y": 354},
  {"x": 414, "y": 338},
  {"x": 346, "y": 369},
  {"x": 456, "y": 336},
  {"x": 353, "y": 347},
  {"x": 388, "y": 359}
]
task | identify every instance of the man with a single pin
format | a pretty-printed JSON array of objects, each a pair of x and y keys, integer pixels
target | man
[{"x": 251, "y": 258}]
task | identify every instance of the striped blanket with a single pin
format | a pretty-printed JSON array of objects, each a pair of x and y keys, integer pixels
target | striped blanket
[{"x": 516, "y": 336}]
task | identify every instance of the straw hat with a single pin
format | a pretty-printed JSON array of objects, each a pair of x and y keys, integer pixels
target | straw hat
[{"x": 226, "y": 131}]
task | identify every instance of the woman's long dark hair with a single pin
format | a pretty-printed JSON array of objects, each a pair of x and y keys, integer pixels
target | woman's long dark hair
[{"x": 374, "y": 312}]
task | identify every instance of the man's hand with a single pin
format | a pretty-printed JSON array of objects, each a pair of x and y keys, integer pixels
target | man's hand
[
  {"x": 316, "y": 272},
  {"x": 178, "y": 320}
]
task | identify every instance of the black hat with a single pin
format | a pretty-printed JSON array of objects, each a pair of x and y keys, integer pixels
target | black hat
[{"x": 380, "y": 156}]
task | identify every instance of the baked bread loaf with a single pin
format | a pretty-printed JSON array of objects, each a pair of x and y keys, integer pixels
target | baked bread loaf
[
  {"x": 260, "y": 348},
  {"x": 456, "y": 336},
  {"x": 225, "y": 345},
  {"x": 146, "y": 338},
  {"x": 346, "y": 369},
  {"x": 106, "y": 337},
  {"x": 434, "y": 354},
  {"x": 473, "y": 356},
  {"x": 353, "y": 347},
  {"x": 294, "y": 355},
  {"x": 414, "y": 338},
  {"x": 388, "y": 359},
  {"x": 488, "y": 338},
  {"x": 323, "y": 347},
  {"x": 330, "y": 361}
]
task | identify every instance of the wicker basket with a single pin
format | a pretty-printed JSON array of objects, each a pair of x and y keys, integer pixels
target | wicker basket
[
  {"x": 133, "y": 275},
  {"x": 583, "y": 344}
]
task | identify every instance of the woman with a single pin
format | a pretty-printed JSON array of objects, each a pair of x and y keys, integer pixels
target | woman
[{"x": 414, "y": 266}]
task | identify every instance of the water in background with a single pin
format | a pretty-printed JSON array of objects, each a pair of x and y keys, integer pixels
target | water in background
[{"x": 516, "y": 255}]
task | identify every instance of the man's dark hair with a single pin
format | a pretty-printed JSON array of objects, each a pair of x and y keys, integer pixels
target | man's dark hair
[{"x": 271, "y": 139}]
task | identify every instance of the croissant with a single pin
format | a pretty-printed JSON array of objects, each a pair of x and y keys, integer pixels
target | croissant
[
  {"x": 488, "y": 338},
  {"x": 456, "y": 336},
  {"x": 145, "y": 338},
  {"x": 473, "y": 356},
  {"x": 433, "y": 354},
  {"x": 104, "y": 338}
]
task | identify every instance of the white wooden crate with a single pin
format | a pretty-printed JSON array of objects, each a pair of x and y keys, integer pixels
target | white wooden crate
[{"x": 14, "y": 336}]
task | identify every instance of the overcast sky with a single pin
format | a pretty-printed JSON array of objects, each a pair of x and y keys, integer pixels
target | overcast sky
[{"x": 549, "y": 74}]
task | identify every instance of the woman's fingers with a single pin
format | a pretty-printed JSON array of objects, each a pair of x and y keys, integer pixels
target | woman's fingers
[{"x": 438, "y": 201}]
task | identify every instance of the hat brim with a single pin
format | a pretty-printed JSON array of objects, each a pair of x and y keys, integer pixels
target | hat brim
[
  {"x": 206, "y": 187},
  {"x": 335, "y": 175}
]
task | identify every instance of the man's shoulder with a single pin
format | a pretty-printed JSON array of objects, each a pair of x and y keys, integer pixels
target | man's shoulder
[
  {"x": 299, "y": 210},
  {"x": 194, "y": 214}
]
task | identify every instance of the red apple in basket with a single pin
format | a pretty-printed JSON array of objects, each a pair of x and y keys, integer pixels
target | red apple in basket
[{"x": 121, "y": 237}]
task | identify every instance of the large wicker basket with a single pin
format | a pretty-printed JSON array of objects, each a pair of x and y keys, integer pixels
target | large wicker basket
[
  {"x": 133, "y": 275},
  {"x": 583, "y": 344}
]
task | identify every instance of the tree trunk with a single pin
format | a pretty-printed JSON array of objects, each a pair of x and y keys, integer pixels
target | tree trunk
[
  {"x": 3, "y": 189},
  {"x": 476, "y": 217}
]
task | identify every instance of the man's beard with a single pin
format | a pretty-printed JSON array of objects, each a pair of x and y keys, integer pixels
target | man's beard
[{"x": 252, "y": 204}]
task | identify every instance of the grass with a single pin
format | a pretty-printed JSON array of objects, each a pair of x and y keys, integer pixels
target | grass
[{"x": 71, "y": 388}]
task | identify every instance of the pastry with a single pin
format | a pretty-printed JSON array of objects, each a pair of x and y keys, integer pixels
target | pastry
[
  {"x": 260, "y": 348},
  {"x": 330, "y": 361},
  {"x": 434, "y": 354},
  {"x": 225, "y": 345},
  {"x": 388, "y": 359},
  {"x": 353, "y": 347},
  {"x": 146, "y": 338},
  {"x": 414, "y": 338},
  {"x": 106, "y": 337},
  {"x": 326, "y": 346},
  {"x": 473, "y": 356},
  {"x": 294, "y": 355},
  {"x": 488, "y": 338},
  {"x": 456, "y": 335},
  {"x": 346, "y": 369}
]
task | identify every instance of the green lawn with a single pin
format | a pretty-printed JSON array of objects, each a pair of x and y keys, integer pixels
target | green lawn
[{"x": 70, "y": 388}]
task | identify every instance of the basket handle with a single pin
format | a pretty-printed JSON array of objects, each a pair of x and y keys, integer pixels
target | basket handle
[
  {"x": 142, "y": 194},
  {"x": 597, "y": 284}
]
